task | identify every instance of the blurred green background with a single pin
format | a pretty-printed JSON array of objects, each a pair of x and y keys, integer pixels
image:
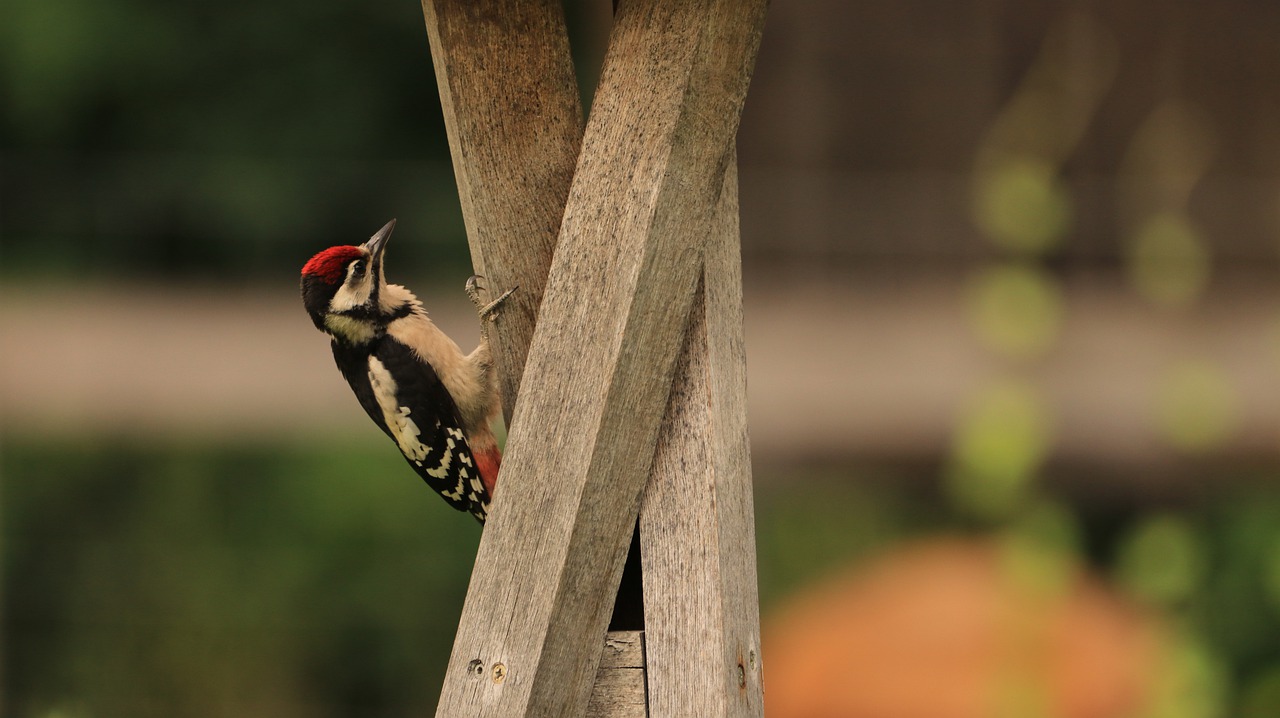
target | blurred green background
[{"x": 1010, "y": 272}]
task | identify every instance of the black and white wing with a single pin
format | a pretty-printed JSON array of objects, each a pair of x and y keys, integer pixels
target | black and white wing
[{"x": 406, "y": 399}]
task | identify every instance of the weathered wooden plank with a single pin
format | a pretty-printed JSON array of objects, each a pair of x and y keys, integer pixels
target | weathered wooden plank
[
  {"x": 622, "y": 649},
  {"x": 697, "y": 523},
  {"x": 619, "y": 690},
  {"x": 599, "y": 368},
  {"x": 514, "y": 120}
]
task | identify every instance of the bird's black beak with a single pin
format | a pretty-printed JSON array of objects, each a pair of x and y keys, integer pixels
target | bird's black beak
[{"x": 377, "y": 244}]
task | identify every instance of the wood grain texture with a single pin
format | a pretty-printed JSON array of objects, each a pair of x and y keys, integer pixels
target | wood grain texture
[
  {"x": 619, "y": 690},
  {"x": 599, "y": 369},
  {"x": 697, "y": 523},
  {"x": 514, "y": 120}
]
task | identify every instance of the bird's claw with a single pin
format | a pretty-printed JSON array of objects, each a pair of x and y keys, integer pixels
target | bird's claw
[
  {"x": 473, "y": 289},
  {"x": 488, "y": 312}
]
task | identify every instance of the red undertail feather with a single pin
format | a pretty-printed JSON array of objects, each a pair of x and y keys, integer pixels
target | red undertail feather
[{"x": 487, "y": 463}]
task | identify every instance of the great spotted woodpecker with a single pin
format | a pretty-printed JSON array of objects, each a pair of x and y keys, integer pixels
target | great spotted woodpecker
[{"x": 435, "y": 402}]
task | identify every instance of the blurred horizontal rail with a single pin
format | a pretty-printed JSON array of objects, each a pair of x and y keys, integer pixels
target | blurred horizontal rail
[{"x": 865, "y": 369}]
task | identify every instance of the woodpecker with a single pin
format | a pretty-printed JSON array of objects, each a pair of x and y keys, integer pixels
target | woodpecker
[{"x": 436, "y": 403}]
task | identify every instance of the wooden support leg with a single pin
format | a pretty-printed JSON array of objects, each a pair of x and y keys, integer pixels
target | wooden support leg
[
  {"x": 697, "y": 525},
  {"x": 514, "y": 118},
  {"x": 645, "y": 197}
]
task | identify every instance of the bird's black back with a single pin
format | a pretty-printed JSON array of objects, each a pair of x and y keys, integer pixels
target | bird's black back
[{"x": 446, "y": 462}]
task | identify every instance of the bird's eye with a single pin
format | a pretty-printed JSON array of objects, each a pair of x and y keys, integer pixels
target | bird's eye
[{"x": 357, "y": 267}]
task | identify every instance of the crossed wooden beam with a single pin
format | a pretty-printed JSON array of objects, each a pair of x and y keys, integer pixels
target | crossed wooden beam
[{"x": 621, "y": 357}]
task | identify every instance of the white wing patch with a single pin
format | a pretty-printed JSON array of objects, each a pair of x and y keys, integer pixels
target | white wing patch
[
  {"x": 403, "y": 429},
  {"x": 407, "y": 435}
]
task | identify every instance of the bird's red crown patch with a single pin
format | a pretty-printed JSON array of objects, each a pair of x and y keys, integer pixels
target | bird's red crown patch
[{"x": 331, "y": 264}]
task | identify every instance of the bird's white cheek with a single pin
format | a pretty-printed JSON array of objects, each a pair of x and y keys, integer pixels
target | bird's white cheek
[{"x": 349, "y": 297}]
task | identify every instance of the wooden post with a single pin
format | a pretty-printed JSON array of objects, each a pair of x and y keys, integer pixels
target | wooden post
[
  {"x": 514, "y": 120},
  {"x": 648, "y": 200},
  {"x": 697, "y": 526}
]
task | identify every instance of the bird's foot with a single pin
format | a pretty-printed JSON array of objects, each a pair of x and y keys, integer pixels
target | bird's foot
[{"x": 488, "y": 312}]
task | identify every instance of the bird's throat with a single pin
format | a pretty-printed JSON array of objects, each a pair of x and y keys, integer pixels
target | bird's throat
[{"x": 350, "y": 329}]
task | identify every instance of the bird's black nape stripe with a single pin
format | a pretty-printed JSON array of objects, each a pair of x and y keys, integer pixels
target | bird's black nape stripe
[
  {"x": 373, "y": 313},
  {"x": 364, "y": 312}
]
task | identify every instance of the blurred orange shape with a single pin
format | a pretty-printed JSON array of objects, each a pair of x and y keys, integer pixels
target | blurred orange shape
[{"x": 945, "y": 629}]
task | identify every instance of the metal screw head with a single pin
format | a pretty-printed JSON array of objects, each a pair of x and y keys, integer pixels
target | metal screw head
[{"x": 499, "y": 672}]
